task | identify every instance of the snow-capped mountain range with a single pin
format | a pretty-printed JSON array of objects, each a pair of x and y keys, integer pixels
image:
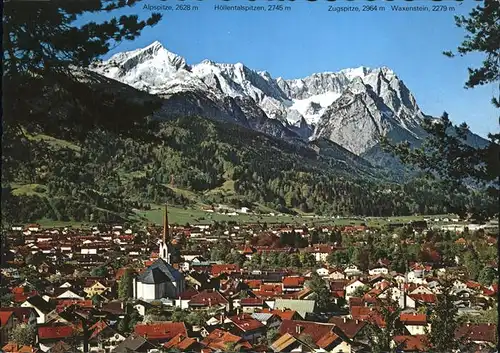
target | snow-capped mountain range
[{"x": 352, "y": 107}]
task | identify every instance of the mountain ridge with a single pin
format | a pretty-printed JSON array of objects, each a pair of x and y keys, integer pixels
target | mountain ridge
[{"x": 297, "y": 109}]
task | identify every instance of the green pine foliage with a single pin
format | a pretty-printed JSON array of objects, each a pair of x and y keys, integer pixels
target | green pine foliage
[{"x": 110, "y": 174}]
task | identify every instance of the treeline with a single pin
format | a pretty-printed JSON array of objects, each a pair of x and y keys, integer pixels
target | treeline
[{"x": 108, "y": 175}]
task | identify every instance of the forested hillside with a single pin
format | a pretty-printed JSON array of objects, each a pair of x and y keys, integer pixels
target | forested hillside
[{"x": 192, "y": 161}]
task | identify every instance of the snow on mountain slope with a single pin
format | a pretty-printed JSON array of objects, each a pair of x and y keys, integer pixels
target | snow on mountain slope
[
  {"x": 153, "y": 69},
  {"x": 352, "y": 107},
  {"x": 236, "y": 80},
  {"x": 313, "y": 107}
]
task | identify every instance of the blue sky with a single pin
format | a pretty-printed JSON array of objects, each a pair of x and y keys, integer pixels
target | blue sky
[{"x": 309, "y": 39}]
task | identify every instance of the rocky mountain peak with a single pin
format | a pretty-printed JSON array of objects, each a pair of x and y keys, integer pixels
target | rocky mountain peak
[{"x": 332, "y": 105}]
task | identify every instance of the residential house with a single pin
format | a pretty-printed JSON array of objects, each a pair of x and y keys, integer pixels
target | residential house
[
  {"x": 160, "y": 332},
  {"x": 268, "y": 319},
  {"x": 410, "y": 344},
  {"x": 250, "y": 305},
  {"x": 283, "y": 314},
  {"x": 42, "y": 307},
  {"x": 22, "y": 315},
  {"x": 337, "y": 290},
  {"x": 325, "y": 336},
  {"x": 209, "y": 298},
  {"x": 114, "y": 310},
  {"x": 69, "y": 294},
  {"x": 415, "y": 323},
  {"x": 302, "y": 307},
  {"x": 142, "y": 307},
  {"x": 378, "y": 271},
  {"x": 352, "y": 271},
  {"x": 293, "y": 284},
  {"x": 351, "y": 287},
  {"x": 480, "y": 334},
  {"x": 216, "y": 270},
  {"x": 185, "y": 297},
  {"x": 96, "y": 287},
  {"x": 182, "y": 343},
  {"x": 103, "y": 338},
  {"x": 49, "y": 335},
  {"x": 246, "y": 327},
  {"x": 421, "y": 289},
  {"x": 353, "y": 329},
  {"x": 134, "y": 343},
  {"x": 291, "y": 343},
  {"x": 320, "y": 251},
  {"x": 336, "y": 274},
  {"x": 423, "y": 299},
  {"x": 322, "y": 272},
  {"x": 18, "y": 348},
  {"x": 218, "y": 340},
  {"x": 6, "y": 326}
]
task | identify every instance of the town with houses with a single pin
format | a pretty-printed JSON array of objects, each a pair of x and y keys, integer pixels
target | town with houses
[{"x": 229, "y": 287}]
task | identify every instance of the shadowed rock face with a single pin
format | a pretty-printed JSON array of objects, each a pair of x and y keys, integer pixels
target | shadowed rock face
[
  {"x": 361, "y": 116},
  {"x": 352, "y": 107}
]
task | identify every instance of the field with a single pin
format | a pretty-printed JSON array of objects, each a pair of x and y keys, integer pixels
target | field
[
  {"x": 197, "y": 216},
  {"x": 193, "y": 216}
]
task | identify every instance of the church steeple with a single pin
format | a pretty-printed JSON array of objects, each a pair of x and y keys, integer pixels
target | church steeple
[
  {"x": 165, "y": 225},
  {"x": 164, "y": 253}
]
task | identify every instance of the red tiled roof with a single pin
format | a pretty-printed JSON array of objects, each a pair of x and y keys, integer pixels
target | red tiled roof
[
  {"x": 17, "y": 290},
  {"x": 218, "y": 339},
  {"x": 160, "y": 330},
  {"x": 473, "y": 285},
  {"x": 17, "y": 348},
  {"x": 276, "y": 288},
  {"x": 369, "y": 314},
  {"x": 246, "y": 323},
  {"x": 20, "y": 294},
  {"x": 188, "y": 294},
  {"x": 251, "y": 302},
  {"x": 488, "y": 292},
  {"x": 411, "y": 343},
  {"x": 216, "y": 270},
  {"x": 338, "y": 294},
  {"x": 338, "y": 284},
  {"x": 282, "y": 314},
  {"x": 325, "y": 341},
  {"x": 4, "y": 317},
  {"x": 55, "y": 332},
  {"x": 354, "y": 280},
  {"x": 477, "y": 332},
  {"x": 374, "y": 292},
  {"x": 208, "y": 298},
  {"x": 349, "y": 327},
  {"x": 291, "y": 282},
  {"x": 97, "y": 328},
  {"x": 68, "y": 302},
  {"x": 180, "y": 342},
  {"x": 21, "y": 313},
  {"x": 248, "y": 250},
  {"x": 314, "y": 329},
  {"x": 413, "y": 319},
  {"x": 120, "y": 272},
  {"x": 425, "y": 298},
  {"x": 383, "y": 284},
  {"x": 253, "y": 283}
]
